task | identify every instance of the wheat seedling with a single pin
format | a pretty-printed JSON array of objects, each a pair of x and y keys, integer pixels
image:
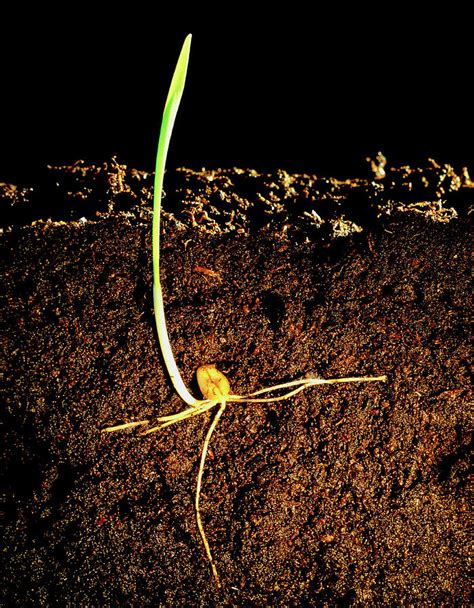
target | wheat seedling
[{"x": 214, "y": 386}]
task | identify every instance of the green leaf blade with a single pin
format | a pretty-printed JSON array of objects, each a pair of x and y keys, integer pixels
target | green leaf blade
[{"x": 169, "y": 114}]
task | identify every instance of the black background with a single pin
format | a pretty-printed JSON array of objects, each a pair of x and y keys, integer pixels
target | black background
[{"x": 304, "y": 91}]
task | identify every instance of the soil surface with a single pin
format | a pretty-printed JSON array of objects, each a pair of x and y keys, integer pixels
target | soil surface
[{"x": 345, "y": 495}]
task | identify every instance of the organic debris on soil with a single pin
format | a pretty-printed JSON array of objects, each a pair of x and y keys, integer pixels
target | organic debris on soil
[{"x": 343, "y": 495}]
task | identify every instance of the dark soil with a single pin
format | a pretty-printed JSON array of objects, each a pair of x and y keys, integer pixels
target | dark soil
[{"x": 344, "y": 495}]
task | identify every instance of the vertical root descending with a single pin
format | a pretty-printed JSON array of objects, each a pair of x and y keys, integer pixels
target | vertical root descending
[{"x": 198, "y": 490}]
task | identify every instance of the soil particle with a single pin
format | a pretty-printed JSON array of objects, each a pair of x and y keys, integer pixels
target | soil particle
[{"x": 344, "y": 495}]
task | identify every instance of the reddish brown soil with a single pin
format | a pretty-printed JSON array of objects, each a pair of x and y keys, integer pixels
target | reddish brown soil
[{"x": 344, "y": 495}]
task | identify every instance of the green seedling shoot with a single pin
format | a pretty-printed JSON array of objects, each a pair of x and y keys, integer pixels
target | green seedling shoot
[{"x": 213, "y": 384}]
